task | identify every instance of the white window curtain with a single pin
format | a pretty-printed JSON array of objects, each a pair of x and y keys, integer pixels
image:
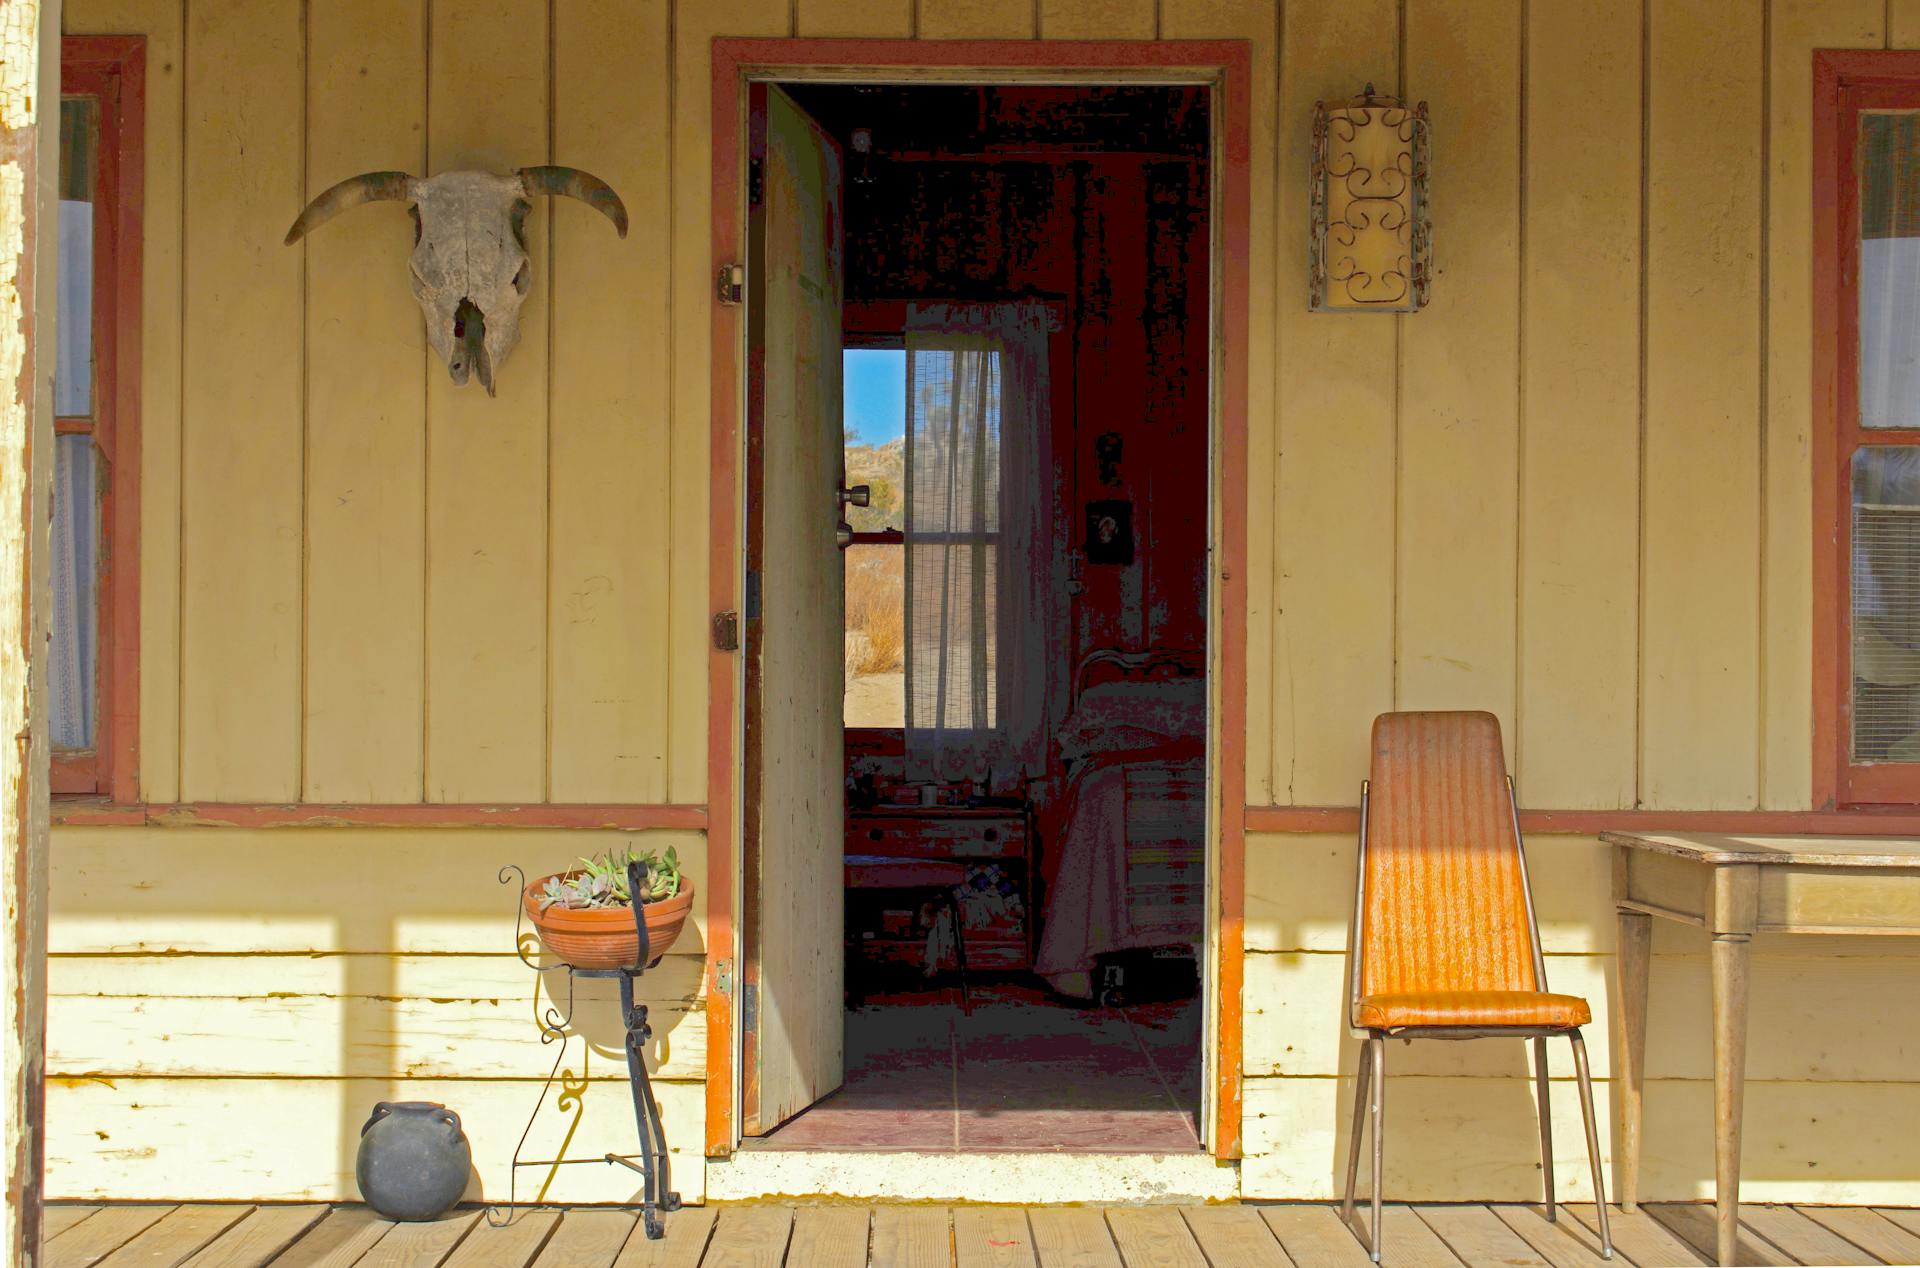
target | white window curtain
[
  {"x": 71, "y": 652},
  {"x": 980, "y": 556}
]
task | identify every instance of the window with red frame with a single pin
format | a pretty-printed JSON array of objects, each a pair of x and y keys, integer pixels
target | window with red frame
[{"x": 92, "y": 656}]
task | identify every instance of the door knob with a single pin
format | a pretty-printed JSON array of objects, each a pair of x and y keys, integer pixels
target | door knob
[
  {"x": 843, "y": 535},
  {"x": 857, "y": 495}
]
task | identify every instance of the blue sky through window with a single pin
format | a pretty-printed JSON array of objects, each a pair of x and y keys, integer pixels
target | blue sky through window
[{"x": 875, "y": 394}]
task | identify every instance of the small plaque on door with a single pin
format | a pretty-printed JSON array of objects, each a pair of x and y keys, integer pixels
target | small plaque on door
[{"x": 1109, "y": 532}]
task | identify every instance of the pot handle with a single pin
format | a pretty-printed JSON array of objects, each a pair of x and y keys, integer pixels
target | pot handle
[
  {"x": 453, "y": 1121},
  {"x": 380, "y": 1111}
]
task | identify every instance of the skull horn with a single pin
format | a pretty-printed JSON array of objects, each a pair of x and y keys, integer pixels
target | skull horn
[
  {"x": 574, "y": 183},
  {"x": 368, "y": 187}
]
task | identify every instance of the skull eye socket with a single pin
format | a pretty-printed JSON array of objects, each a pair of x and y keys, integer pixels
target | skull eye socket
[{"x": 521, "y": 281}]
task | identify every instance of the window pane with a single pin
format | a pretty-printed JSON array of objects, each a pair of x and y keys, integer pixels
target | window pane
[
  {"x": 875, "y": 387},
  {"x": 73, "y": 364},
  {"x": 876, "y": 637},
  {"x": 72, "y": 656}
]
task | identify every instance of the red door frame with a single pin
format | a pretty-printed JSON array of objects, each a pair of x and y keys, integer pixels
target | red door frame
[
  {"x": 1227, "y": 66},
  {"x": 1844, "y": 82}
]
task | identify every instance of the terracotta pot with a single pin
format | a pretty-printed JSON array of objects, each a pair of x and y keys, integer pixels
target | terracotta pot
[{"x": 603, "y": 938}]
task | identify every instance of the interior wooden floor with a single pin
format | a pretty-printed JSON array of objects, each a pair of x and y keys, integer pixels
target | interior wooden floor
[
  {"x": 771, "y": 1235},
  {"x": 1022, "y": 1072}
]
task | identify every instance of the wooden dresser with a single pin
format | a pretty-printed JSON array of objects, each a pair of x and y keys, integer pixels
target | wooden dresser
[{"x": 896, "y": 854}]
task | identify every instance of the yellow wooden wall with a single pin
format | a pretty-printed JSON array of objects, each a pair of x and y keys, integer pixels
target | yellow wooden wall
[{"x": 1575, "y": 490}]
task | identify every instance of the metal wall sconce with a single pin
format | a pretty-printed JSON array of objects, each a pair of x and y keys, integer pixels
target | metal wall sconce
[{"x": 1372, "y": 246}]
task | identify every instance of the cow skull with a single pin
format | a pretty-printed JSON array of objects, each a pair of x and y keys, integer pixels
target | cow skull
[{"x": 469, "y": 269}]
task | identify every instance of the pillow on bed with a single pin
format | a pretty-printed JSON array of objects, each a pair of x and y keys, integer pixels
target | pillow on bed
[{"x": 1117, "y": 717}]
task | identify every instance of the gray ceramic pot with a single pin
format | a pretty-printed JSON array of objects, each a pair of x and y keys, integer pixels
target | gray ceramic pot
[{"x": 414, "y": 1160}]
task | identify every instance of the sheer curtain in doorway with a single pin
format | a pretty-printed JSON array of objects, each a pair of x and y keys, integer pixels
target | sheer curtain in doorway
[{"x": 980, "y": 558}]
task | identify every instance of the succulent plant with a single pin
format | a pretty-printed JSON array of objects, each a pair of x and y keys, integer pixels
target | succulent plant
[{"x": 602, "y": 881}]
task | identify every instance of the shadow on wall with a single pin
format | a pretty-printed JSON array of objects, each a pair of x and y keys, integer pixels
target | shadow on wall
[
  {"x": 225, "y": 1004},
  {"x": 1832, "y": 1059}
]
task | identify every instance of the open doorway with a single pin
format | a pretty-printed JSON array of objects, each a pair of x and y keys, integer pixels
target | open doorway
[{"x": 993, "y": 332}]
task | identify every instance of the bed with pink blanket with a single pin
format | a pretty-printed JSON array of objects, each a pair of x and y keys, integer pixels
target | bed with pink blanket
[{"x": 1127, "y": 864}]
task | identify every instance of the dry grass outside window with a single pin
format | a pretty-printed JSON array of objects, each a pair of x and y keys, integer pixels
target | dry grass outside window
[{"x": 876, "y": 611}]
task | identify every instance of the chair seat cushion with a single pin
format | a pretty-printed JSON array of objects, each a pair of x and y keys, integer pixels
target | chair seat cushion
[{"x": 1471, "y": 1008}]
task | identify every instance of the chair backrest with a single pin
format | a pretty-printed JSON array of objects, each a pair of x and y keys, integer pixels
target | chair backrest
[{"x": 1443, "y": 902}]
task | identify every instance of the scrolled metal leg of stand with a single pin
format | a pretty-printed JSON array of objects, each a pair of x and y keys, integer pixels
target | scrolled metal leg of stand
[{"x": 654, "y": 1168}]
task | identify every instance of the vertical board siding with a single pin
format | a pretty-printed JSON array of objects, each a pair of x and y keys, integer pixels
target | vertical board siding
[
  {"x": 695, "y": 24},
  {"x": 366, "y": 412},
  {"x": 1797, "y": 27},
  {"x": 867, "y": 19},
  {"x": 1332, "y": 496},
  {"x": 977, "y": 19},
  {"x": 1700, "y": 589},
  {"x": 1580, "y": 406},
  {"x": 1459, "y": 412},
  {"x": 241, "y": 447},
  {"x": 608, "y": 625},
  {"x": 487, "y": 456},
  {"x": 160, "y": 364},
  {"x": 1097, "y": 19},
  {"x": 1574, "y": 490}
]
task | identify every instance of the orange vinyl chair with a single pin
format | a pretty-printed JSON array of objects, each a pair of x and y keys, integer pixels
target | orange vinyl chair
[{"x": 1444, "y": 944}]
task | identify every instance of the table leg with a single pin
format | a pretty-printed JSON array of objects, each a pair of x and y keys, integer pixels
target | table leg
[
  {"x": 1635, "y": 954},
  {"x": 1730, "y": 957}
]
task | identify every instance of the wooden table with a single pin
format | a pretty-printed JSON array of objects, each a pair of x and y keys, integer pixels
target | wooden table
[{"x": 1734, "y": 887}]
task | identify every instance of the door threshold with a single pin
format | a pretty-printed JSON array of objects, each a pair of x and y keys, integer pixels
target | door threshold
[{"x": 1005, "y": 1176}]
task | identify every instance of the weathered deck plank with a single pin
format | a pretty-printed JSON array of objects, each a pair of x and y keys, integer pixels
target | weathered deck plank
[
  {"x": 992, "y": 1237},
  {"x": 424, "y": 1245},
  {"x": 260, "y": 1237},
  {"x": 1693, "y": 1223},
  {"x": 1064, "y": 1238},
  {"x": 1315, "y": 1237},
  {"x": 95, "y": 1239},
  {"x": 1154, "y": 1237},
  {"x": 510, "y": 1246},
  {"x": 1279, "y": 1235},
  {"x": 56, "y": 1220},
  {"x": 1476, "y": 1235},
  {"x": 749, "y": 1237},
  {"x": 1801, "y": 1239},
  {"x": 1564, "y": 1243},
  {"x": 1640, "y": 1237},
  {"x": 339, "y": 1241},
  {"x": 682, "y": 1247},
  {"x": 1407, "y": 1242},
  {"x": 912, "y": 1237},
  {"x": 1879, "y": 1237},
  {"x": 831, "y": 1236},
  {"x": 176, "y": 1236},
  {"x": 587, "y": 1239},
  {"x": 1235, "y": 1235}
]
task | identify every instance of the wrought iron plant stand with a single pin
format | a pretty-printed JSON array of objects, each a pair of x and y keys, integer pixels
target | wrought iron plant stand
[{"x": 656, "y": 1196}]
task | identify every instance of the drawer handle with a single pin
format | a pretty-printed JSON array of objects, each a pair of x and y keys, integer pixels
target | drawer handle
[
  {"x": 992, "y": 834},
  {"x": 874, "y": 834}
]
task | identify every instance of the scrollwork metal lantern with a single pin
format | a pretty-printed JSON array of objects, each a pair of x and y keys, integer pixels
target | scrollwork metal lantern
[{"x": 1372, "y": 245}]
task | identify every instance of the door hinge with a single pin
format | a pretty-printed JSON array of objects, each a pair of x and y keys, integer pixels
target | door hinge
[
  {"x": 723, "y": 976},
  {"x": 749, "y": 1008},
  {"x": 726, "y": 631},
  {"x": 732, "y": 283},
  {"x": 753, "y": 595},
  {"x": 756, "y": 181}
]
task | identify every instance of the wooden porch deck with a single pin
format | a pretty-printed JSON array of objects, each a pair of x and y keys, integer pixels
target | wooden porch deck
[{"x": 770, "y": 1235}]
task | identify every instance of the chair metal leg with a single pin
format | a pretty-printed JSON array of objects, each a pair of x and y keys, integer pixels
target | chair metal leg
[
  {"x": 1379, "y": 1133},
  {"x": 1546, "y": 1123},
  {"x": 1593, "y": 1142},
  {"x": 1360, "y": 1085}
]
